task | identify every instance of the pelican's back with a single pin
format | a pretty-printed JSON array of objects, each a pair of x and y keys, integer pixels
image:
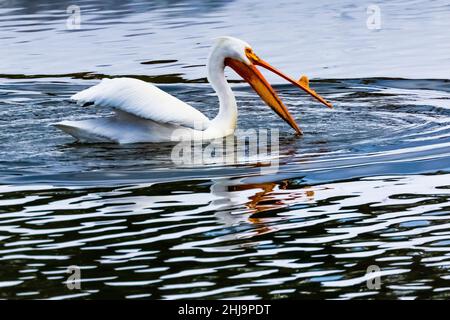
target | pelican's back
[{"x": 143, "y": 100}]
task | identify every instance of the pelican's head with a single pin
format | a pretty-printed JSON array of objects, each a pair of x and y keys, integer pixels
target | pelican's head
[{"x": 240, "y": 56}]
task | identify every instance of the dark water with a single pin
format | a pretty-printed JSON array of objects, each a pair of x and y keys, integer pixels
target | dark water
[{"x": 368, "y": 183}]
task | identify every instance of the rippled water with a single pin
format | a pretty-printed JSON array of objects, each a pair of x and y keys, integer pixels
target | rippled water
[{"x": 368, "y": 183}]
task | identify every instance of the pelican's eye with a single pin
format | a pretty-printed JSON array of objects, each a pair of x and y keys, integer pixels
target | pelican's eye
[{"x": 251, "y": 55}]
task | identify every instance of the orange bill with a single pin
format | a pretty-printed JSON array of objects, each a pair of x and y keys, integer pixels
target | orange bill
[
  {"x": 303, "y": 83},
  {"x": 254, "y": 77}
]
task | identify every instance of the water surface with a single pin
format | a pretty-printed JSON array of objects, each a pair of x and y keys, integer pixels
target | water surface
[{"x": 368, "y": 183}]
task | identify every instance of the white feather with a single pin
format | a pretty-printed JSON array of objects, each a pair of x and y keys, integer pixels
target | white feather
[
  {"x": 122, "y": 127},
  {"x": 143, "y": 100}
]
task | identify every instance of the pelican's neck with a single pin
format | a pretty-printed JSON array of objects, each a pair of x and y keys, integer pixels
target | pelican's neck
[{"x": 227, "y": 116}]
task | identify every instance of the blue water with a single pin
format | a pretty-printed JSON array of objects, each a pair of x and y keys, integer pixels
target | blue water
[{"x": 368, "y": 183}]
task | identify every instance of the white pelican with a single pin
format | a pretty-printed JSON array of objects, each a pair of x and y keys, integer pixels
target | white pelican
[{"x": 145, "y": 113}]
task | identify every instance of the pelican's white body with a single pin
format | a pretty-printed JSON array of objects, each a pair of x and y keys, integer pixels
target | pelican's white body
[{"x": 145, "y": 113}]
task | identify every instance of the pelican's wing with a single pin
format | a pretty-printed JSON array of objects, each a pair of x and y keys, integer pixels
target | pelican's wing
[{"x": 143, "y": 100}]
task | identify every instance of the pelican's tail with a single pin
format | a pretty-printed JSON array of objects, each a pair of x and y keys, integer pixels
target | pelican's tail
[
  {"x": 120, "y": 128},
  {"x": 84, "y": 130}
]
